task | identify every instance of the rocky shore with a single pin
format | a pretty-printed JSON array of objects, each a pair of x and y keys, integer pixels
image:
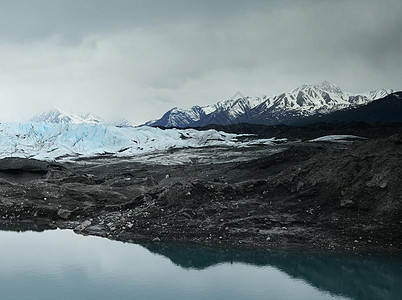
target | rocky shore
[{"x": 343, "y": 196}]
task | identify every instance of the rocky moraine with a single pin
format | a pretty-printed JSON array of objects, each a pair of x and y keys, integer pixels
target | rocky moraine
[{"x": 299, "y": 194}]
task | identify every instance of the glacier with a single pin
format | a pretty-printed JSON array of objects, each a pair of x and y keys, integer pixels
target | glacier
[{"x": 63, "y": 141}]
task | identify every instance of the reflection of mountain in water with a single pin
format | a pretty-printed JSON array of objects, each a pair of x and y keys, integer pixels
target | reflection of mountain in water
[
  {"x": 22, "y": 227},
  {"x": 355, "y": 277}
]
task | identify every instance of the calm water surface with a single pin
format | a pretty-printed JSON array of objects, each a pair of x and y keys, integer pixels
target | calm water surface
[{"x": 59, "y": 264}]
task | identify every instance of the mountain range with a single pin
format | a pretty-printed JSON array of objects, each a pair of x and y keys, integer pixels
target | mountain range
[
  {"x": 59, "y": 116},
  {"x": 323, "y": 102},
  {"x": 384, "y": 110},
  {"x": 286, "y": 108}
]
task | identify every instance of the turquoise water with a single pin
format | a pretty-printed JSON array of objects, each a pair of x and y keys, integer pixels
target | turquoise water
[{"x": 59, "y": 264}]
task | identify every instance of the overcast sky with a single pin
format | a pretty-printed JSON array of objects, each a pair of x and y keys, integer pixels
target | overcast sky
[{"x": 137, "y": 59}]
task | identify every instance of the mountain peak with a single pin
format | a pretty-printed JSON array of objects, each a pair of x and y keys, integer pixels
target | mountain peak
[
  {"x": 323, "y": 86},
  {"x": 58, "y": 116},
  {"x": 329, "y": 87},
  {"x": 326, "y": 85}
]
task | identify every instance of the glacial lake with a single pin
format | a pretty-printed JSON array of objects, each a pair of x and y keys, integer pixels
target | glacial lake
[{"x": 59, "y": 264}]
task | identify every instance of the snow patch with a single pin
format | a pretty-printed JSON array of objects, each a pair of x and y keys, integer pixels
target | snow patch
[{"x": 336, "y": 138}]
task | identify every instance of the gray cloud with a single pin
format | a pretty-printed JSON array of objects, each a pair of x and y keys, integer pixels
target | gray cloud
[{"x": 136, "y": 59}]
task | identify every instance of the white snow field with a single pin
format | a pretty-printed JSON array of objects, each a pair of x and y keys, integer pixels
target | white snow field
[
  {"x": 52, "y": 141},
  {"x": 337, "y": 138}
]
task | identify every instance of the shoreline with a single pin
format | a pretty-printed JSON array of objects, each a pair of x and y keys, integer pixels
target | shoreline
[{"x": 216, "y": 244}]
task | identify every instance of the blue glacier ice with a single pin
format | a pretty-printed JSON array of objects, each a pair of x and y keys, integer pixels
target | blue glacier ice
[{"x": 54, "y": 141}]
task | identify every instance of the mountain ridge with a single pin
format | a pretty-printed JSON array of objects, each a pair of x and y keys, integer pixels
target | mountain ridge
[
  {"x": 285, "y": 108},
  {"x": 384, "y": 110},
  {"x": 58, "y": 116}
]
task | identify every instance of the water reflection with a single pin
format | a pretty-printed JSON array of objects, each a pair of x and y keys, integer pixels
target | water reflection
[
  {"x": 353, "y": 276},
  {"x": 23, "y": 227},
  {"x": 61, "y": 265}
]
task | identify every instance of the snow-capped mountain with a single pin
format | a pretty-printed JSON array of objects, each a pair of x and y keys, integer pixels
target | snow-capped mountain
[
  {"x": 58, "y": 116},
  {"x": 223, "y": 112},
  {"x": 304, "y": 101},
  {"x": 384, "y": 110},
  {"x": 122, "y": 123}
]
